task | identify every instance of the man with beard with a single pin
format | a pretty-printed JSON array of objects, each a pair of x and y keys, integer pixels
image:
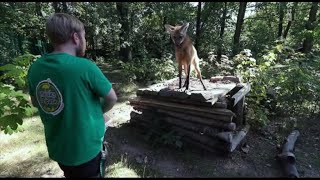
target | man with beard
[{"x": 72, "y": 95}]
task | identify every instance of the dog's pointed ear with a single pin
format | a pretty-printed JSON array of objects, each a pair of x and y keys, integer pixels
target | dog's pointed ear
[
  {"x": 184, "y": 28},
  {"x": 169, "y": 28}
]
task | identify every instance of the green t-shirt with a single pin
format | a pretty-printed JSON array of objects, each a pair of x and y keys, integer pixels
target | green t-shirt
[{"x": 68, "y": 90}]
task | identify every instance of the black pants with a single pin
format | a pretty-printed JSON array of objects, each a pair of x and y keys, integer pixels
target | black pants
[
  {"x": 85, "y": 170},
  {"x": 90, "y": 169}
]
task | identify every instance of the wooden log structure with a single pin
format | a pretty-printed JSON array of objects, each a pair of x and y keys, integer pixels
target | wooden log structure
[{"x": 210, "y": 119}]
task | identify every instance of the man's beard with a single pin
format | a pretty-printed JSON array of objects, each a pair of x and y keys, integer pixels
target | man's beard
[{"x": 80, "y": 50}]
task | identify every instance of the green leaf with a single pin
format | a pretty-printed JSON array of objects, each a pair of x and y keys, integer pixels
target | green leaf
[{"x": 8, "y": 130}]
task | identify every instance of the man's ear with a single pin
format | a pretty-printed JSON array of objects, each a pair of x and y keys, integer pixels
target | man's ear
[
  {"x": 169, "y": 28},
  {"x": 75, "y": 37},
  {"x": 184, "y": 28}
]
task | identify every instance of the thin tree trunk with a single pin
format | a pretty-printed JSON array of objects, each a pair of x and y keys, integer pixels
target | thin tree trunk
[
  {"x": 55, "y": 7},
  {"x": 164, "y": 35},
  {"x": 281, "y": 15},
  {"x": 291, "y": 19},
  {"x": 93, "y": 54},
  {"x": 38, "y": 9},
  {"x": 198, "y": 27},
  {"x": 310, "y": 26},
  {"x": 223, "y": 23},
  {"x": 20, "y": 39},
  {"x": 237, "y": 33},
  {"x": 65, "y": 7},
  {"x": 125, "y": 49}
]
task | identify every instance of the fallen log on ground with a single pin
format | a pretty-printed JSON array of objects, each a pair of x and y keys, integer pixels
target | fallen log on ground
[
  {"x": 287, "y": 158},
  {"x": 237, "y": 139}
]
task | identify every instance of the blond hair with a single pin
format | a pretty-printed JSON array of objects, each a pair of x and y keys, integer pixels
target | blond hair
[{"x": 60, "y": 26}]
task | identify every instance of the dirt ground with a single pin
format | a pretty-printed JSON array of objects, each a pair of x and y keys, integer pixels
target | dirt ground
[{"x": 259, "y": 161}]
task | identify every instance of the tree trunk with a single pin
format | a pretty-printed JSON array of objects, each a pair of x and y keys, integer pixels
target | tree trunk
[
  {"x": 20, "y": 43},
  {"x": 93, "y": 54},
  {"x": 206, "y": 15},
  {"x": 223, "y": 23},
  {"x": 56, "y": 7},
  {"x": 164, "y": 35},
  {"x": 310, "y": 26},
  {"x": 65, "y": 7},
  {"x": 125, "y": 49},
  {"x": 38, "y": 9},
  {"x": 291, "y": 19},
  {"x": 281, "y": 15},
  {"x": 237, "y": 33},
  {"x": 198, "y": 27}
]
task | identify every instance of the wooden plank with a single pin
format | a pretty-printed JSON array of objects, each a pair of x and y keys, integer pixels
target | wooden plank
[
  {"x": 221, "y": 89},
  {"x": 241, "y": 93},
  {"x": 203, "y": 96},
  {"x": 209, "y": 103},
  {"x": 211, "y": 122},
  {"x": 213, "y": 117},
  {"x": 225, "y": 112},
  {"x": 170, "y": 93},
  {"x": 238, "y": 109},
  {"x": 154, "y": 89},
  {"x": 170, "y": 89},
  {"x": 149, "y": 91},
  {"x": 197, "y": 128},
  {"x": 225, "y": 78},
  {"x": 203, "y": 139}
]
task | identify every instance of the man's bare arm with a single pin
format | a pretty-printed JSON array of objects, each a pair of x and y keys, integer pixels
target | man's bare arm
[
  {"x": 34, "y": 101},
  {"x": 109, "y": 101}
]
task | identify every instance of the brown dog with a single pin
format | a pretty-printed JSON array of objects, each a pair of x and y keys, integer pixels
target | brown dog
[{"x": 186, "y": 53}]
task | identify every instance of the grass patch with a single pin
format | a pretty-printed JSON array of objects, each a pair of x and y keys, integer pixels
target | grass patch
[
  {"x": 121, "y": 169},
  {"x": 124, "y": 167},
  {"x": 24, "y": 154}
]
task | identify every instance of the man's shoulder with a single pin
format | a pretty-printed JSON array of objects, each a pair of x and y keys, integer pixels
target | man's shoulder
[
  {"x": 85, "y": 62},
  {"x": 34, "y": 63}
]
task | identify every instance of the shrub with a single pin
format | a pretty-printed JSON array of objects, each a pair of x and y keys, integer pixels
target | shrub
[
  {"x": 16, "y": 104},
  {"x": 144, "y": 70}
]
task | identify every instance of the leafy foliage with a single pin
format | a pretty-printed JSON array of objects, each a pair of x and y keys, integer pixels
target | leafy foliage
[
  {"x": 153, "y": 69},
  {"x": 282, "y": 82},
  {"x": 16, "y": 104}
]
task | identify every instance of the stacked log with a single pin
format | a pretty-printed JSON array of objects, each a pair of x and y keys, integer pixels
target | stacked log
[{"x": 206, "y": 118}]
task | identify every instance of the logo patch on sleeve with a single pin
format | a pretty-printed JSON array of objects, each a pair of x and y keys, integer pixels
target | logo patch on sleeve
[{"x": 49, "y": 97}]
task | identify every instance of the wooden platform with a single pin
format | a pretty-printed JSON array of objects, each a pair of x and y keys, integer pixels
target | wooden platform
[{"x": 213, "y": 117}]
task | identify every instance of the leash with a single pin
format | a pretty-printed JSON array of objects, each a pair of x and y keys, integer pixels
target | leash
[{"x": 104, "y": 154}]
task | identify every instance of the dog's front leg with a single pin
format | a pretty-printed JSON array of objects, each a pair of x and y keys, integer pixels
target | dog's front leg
[
  {"x": 180, "y": 72},
  {"x": 186, "y": 83}
]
